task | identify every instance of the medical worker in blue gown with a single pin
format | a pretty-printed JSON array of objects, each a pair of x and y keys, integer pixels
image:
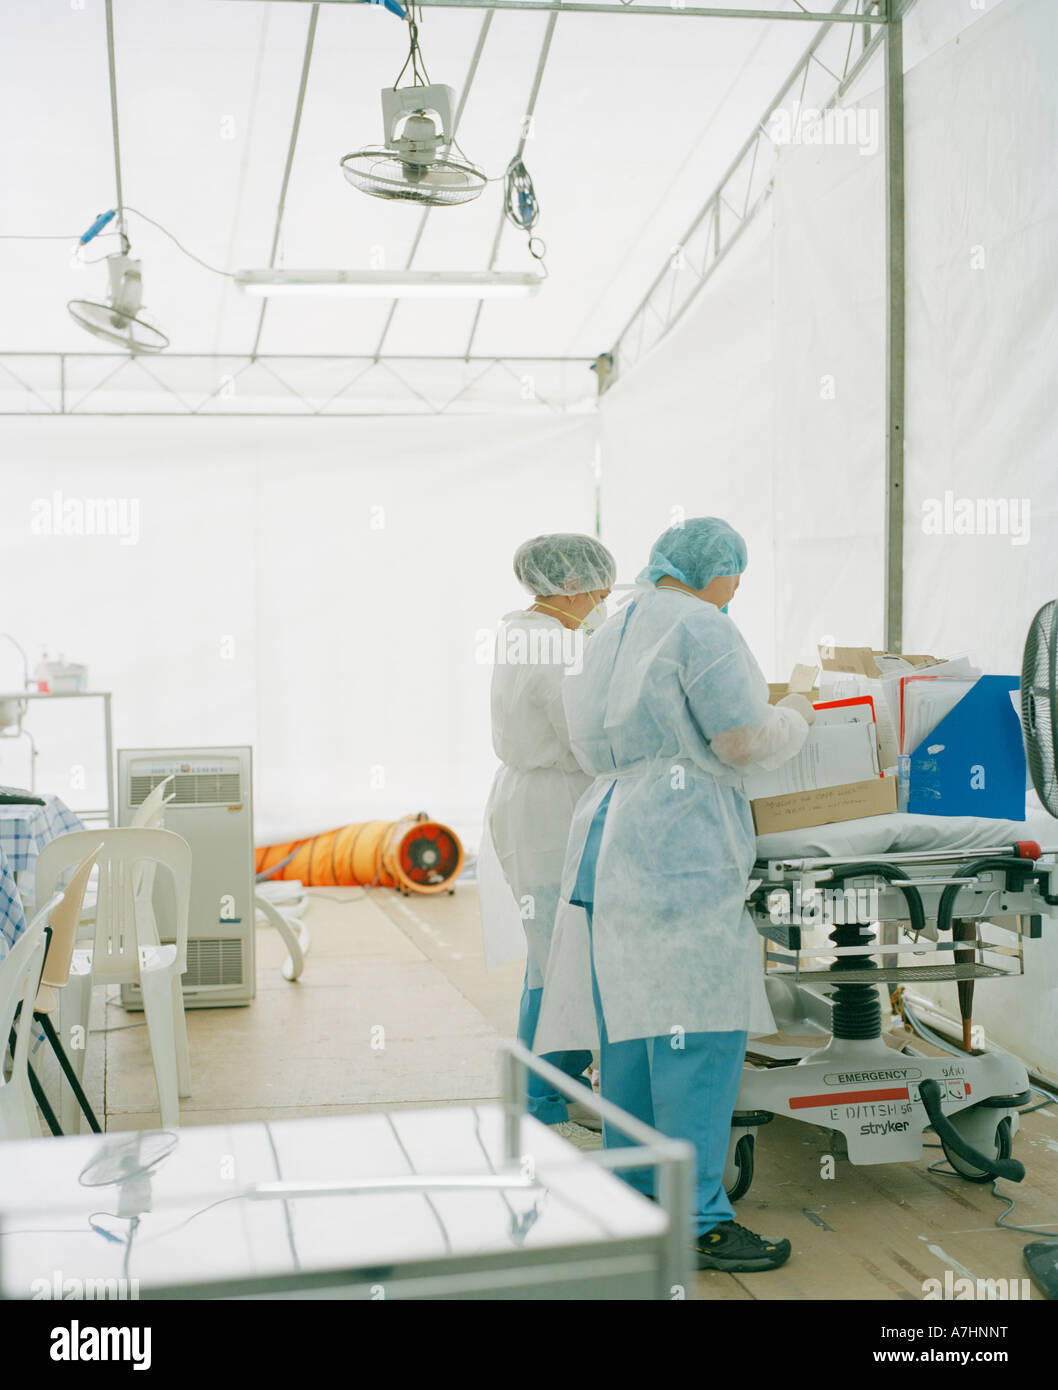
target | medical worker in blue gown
[
  {"x": 654, "y": 956},
  {"x": 538, "y": 786}
]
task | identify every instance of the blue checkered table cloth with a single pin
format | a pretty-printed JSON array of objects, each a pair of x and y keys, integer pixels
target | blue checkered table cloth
[
  {"x": 12, "y": 915},
  {"x": 25, "y": 830}
]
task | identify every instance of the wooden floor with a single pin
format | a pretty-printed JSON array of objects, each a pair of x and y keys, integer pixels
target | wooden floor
[{"x": 414, "y": 968}]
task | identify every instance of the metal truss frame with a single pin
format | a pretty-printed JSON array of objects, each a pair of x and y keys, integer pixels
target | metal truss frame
[
  {"x": 743, "y": 191},
  {"x": 819, "y": 80},
  {"x": 308, "y": 384},
  {"x": 628, "y": 7},
  {"x": 740, "y": 194}
]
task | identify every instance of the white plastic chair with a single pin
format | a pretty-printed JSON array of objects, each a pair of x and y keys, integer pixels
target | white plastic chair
[
  {"x": 119, "y": 955},
  {"x": 281, "y": 902},
  {"x": 19, "y": 980},
  {"x": 149, "y": 815},
  {"x": 54, "y": 978}
]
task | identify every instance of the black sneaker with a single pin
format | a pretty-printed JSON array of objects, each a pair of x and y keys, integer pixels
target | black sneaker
[{"x": 734, "y": 1250}]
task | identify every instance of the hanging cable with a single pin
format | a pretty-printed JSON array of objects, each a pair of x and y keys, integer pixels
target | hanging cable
[
  {"x": 419, "y": 76},
  {"x": 41, "y": 236},
  {"x": 83, "y": 238},
  {"x": 197, "y": 259}
]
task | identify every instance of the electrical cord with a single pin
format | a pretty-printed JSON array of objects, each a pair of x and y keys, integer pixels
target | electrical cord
[
  {"x": 945, "y": 1170},
  {"x": 11, "y": 236},
  {"x": 228, "y": 274},
  {"x": 46, "y": 236},
  {"x": 1009, "y": 1225},
  {"x": 420, "y": 77}
]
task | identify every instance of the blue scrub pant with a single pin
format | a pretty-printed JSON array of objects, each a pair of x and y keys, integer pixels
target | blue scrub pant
[
  {"x": 545, "y": 1103},
  {"x": 686, "y": 1091}
]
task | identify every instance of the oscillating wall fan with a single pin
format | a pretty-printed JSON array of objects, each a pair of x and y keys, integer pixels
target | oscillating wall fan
[
  {"x": 415, "y": 164},
  {"x": 1039, "y": 721},
  {"x": 118, "y": 319},
  {"x": 1039, "y": 703}
]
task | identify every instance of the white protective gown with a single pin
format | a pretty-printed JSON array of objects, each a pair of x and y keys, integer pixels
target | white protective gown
[
  {"x": 670, "y": 710},
  {"x": 534, "y": 793}
]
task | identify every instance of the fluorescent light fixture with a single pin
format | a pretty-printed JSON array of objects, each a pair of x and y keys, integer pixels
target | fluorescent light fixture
[{"x": 392, "y": 284}]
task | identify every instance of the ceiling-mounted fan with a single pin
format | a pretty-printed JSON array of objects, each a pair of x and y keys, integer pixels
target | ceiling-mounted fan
[
  {"x": 416, "y": 164},
  {"x": 117, "y": 319}
]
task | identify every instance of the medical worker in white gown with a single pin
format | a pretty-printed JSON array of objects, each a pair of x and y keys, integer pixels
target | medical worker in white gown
[
  {"x": 654, "y": 957},
  {"x": 535, "y": 791}
]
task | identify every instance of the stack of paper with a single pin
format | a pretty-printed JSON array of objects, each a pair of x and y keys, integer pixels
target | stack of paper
[
  {"x": 925, "y": 702},
  {"x": 833, "y": 755},
  {"x": 850, "y": 671},
  {"x": 857, "y": 710}
]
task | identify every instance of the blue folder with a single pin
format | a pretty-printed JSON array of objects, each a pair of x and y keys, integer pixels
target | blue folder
[{"x": 977, "y": 763}]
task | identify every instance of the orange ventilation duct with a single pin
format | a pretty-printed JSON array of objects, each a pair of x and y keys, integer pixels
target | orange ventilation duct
[{"x": 414, "y": 854}]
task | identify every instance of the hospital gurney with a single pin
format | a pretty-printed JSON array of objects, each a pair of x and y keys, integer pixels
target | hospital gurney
[{"x": 841, "y": 908}]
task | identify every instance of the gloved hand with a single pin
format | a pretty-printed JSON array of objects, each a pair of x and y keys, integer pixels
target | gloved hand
[{"x": 800, "y": 704}]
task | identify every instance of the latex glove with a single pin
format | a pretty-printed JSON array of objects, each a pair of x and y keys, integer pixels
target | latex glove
[{"x": 800, "y": 704}]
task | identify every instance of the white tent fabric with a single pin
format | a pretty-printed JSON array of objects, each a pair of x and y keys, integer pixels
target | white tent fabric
[
  {"x": 767, "y": 402},
  {"x": 691, "y": 433},
  {"x": 982, "y": 118},
  {"x": 261, "y": 606},
  {"x": 635, "y": 118},
  {"x": 765, "y": 406},
  {"x": 328, "y": 592}
]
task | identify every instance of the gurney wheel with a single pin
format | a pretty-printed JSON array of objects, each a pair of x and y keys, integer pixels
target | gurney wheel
[
  {"x": 738, "y": 1175},
  {"x": 1004, "y": 1145}
]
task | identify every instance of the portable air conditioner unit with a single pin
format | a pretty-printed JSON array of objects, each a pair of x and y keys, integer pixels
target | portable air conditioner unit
[{"x": 210, "y": 803}]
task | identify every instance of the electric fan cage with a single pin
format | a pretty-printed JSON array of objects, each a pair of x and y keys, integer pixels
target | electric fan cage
[
  {"x": 1039, "y": 703},
  {"x": 98, "y": 319},
  {"x": 385, "y": 173}
]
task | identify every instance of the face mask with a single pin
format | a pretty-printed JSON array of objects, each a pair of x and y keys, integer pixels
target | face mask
[{"x": 596, "y": 617}]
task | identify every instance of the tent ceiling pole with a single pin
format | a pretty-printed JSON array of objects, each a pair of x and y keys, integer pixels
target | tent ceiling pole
[
  {"x": 310, "y": 39},
  {"x": 804, "y": 16},
  {"x": 895, "y": 332},
  {"x": 527, "y": 122},
  {"x": 472, "y": 72},
  {"x": 112, "y": 75},
  {"x": 705, "y": 232},
  {"x": 576, "y": 7}
]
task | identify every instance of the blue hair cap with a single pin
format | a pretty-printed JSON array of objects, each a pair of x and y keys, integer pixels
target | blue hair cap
[{"x": 700, "y": 550}]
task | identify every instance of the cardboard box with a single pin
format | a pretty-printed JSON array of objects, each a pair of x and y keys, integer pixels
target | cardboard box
[
  {"x": 863, "y": 661},
  {"x": 865, "y": 671},
  {"x": 801, "y": 682},
  {"x": 801, "y": 810},
  {"x": 779, "y": 690}
]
